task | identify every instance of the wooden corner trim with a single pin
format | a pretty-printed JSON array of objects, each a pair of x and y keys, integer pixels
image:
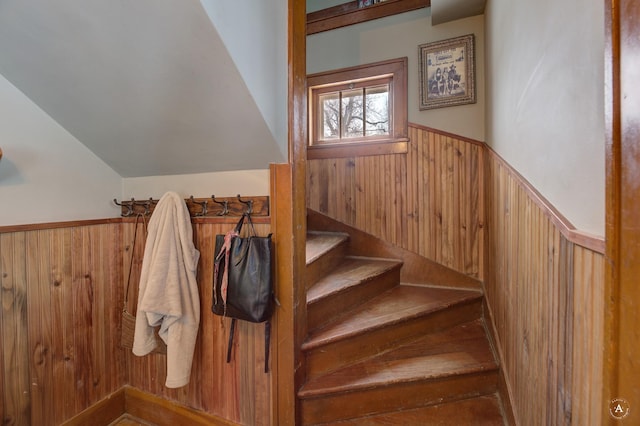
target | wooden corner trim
[
  {"x": 152, "y": 408},
  {"x": 103, "y": 412},
  {"x": 584, "y": 239}
]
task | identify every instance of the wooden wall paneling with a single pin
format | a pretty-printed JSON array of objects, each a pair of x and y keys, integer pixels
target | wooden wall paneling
[
  {"x": 3, "y": 277},
  {"x": 543, "y": 292},
  {"x": 57, "y": 321},
  {"x": 238, "y": 391},
  {"x": 427, "y": 200},
  {"x": 61, "y": 298},
  {"x": 14, "y": 332},
  {"x": 40, "y": 327},
  {"x": 588, "y": 339}
]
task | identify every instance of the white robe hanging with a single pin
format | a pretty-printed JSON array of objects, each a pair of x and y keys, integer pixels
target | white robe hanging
[{"x": 168, "y": 293}]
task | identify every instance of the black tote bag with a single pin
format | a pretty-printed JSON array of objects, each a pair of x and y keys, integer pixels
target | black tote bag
[
  {"x": 243, "y": 281},
  {"x": 248, "y": 265}
]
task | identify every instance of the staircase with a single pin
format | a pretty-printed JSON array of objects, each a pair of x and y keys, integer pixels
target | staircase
[{"x": 379, "y": 351}]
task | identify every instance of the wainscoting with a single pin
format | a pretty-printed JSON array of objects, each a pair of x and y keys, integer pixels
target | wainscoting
[
  {"x": 427, "y": 201},
  {"x": 61, "y": 302},
  {"x": 62, "y": 298},
  {"x": 545, "y": 291},
  {"x": 455, "y": 201}
]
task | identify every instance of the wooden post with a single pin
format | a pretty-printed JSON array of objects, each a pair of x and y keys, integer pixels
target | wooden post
[{"x": 622, "y": 286}]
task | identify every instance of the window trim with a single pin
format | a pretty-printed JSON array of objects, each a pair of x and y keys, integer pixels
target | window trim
[{"x": 395, "y": 142}]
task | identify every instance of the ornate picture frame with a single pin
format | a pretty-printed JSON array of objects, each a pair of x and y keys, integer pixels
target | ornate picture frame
[{"x": 447, "y": 72}]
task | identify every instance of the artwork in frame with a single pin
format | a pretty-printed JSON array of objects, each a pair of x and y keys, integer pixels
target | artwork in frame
[{"x": 447, "y": 72}]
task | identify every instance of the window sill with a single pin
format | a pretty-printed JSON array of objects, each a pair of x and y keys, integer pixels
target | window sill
[{"x": 357, "y": 149}]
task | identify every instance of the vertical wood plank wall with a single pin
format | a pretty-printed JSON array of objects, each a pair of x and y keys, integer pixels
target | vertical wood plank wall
[
  {"x": 239, "y": 391},
  {"x": 545, "y": 294},
  {"x": 62, "y": 295},
  {"x": 454, "y": 201},
  {"x": 427, "y": 201},
  {"x": 58, "y": 323}
]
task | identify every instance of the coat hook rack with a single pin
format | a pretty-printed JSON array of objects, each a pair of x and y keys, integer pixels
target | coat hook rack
[
  {"x": 203, "y": 204},
  {"x": 224, "y": 204},
  {"x": 200, "y": 207},
  {"x": 248, "y": 203}
]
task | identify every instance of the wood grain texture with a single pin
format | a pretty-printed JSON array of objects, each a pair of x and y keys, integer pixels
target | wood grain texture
[
  {"x": 427, "y": 201},
  {"x": 61, "y": 299},
  {"x": 239, "y": 391},
  {"x": 545, "y": 296}
]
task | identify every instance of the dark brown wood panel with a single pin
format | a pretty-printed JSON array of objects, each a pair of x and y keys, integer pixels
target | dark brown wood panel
[
  {"x": 61, "y": 302},
  {"x": 239, "y": 391},
  {"x": 427, "y": 201},
  {"x": 62, "y": 298}
]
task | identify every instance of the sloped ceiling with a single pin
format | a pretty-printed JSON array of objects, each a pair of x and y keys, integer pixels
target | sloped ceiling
[{"x": 147, "y": 85}]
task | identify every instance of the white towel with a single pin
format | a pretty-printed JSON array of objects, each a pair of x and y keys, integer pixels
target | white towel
[{"x": 168, "y": 293}]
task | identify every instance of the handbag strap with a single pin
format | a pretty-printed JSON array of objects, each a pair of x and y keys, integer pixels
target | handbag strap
[
  {"x": 267, "y": 338},
  {"x": 133, "y": 252}
]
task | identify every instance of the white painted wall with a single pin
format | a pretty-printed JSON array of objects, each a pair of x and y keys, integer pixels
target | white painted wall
[
  {"x": 545, "y": 107},
  {"x": 202, "y": 185},
  {"x": 255, "y": 34},
  {"x": 398, "y": 36},
  {"x": 46, "y": 175}
]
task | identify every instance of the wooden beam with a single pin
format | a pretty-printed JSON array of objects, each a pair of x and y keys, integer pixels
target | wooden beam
[
  {"x": 349, "y": 13},
  {"x": 621, "y": 372}
]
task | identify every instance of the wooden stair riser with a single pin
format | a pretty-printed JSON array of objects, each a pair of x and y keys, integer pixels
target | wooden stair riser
[
  {"x": 331, "y": 356},
  {"x": 401, "y": 396},
  {"x": 327, "y": 262},
  {"x": 484, "y": 410},
  {"x": 334, "y": 306}
]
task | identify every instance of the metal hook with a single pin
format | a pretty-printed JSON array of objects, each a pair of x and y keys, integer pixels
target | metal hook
[
  {"x": 128, "y": 205},
  {"x": 146, "y": 204},
  {"x": 248, "y": 203},
  {"x": 224, "y": 204},
  {"x": 203, "y": 204}
]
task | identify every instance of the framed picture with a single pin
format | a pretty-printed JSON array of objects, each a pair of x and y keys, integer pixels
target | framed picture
[{"x": 447, "y": 72}]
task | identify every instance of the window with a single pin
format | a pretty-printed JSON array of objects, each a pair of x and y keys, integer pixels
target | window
[{"x": 359, "y": 110}]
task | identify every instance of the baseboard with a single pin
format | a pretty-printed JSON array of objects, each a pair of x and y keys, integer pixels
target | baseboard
[
  {"x": 146, "y": 407},
  {"x": 504, "y": 389},
  {"x": 160, "y": 411},
  {"x": 101, "y": 413}
]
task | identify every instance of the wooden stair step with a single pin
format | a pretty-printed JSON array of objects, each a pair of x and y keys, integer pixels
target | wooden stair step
[
  {"x": 354, "y": 281},
  {"x": 324, "y": 251},
  {"x": 480, "y": 411},
  {"x": 463, "y": 349},
  {"x": 352, "y": 271},
  {"x": 448, "y": 365},
  {"x": 399, "y": 304},
  {"x": 395, "y": 317},
  {"x": 319, "y": 242}
]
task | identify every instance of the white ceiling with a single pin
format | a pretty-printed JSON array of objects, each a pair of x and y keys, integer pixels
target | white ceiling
[{"x": 147, "y": 85}]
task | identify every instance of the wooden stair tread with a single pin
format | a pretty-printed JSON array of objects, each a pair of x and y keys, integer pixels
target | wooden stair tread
[
  {"x": 463, "y": 349},
  {"x": 352, "y": 271},
  {"x": 319, "y": 243},
  {"x": 399, "y": 304},
  {"x": 480, "y": 411}
]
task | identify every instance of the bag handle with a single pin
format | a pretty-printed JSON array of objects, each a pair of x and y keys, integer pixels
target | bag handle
[
  {"x": 267, "y": 338},
  {"x": 238, "y": 227},
  {"x": 133, "y": 250}
]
